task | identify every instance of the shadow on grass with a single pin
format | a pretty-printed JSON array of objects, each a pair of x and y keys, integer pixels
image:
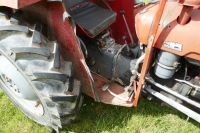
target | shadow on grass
[
  {"x": 94, "y": 117},
  {"x": 98, "y": 117}
]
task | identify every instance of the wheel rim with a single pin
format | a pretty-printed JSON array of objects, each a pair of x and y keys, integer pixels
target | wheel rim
[{"x": 14, "y": 83}]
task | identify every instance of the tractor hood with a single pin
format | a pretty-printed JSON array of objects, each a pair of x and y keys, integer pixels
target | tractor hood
[{"x": 179, "y": 39}]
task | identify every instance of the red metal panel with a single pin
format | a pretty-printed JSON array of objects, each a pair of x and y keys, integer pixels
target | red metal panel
[
  {"x": 185, "y": 15},
  {"x": 106, "y": 97},
  {"x": 118, "y": 28},
  {"x": 69, "y": 46},
  {"x": 187, "y": 35}
]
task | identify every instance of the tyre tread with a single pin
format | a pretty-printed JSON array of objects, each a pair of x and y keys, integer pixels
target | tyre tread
[{"x": 62, "y": 105}]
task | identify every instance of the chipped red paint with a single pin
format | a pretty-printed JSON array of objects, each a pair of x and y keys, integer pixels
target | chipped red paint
[
  {"x": 106, "y": 97},
  {"x": 69, "y": 45}
]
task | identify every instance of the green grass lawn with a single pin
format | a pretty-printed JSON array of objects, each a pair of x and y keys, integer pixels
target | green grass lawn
[{"x": 148, "y": 117}]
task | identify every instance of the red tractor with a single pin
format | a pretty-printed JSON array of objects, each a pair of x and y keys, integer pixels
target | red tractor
[{"x": 52, "y": 51}]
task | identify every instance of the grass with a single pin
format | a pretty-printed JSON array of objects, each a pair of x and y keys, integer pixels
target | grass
[{"x": 148, "y": 117}]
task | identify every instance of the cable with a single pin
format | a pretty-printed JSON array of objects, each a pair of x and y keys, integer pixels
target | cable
[{"x": 186, "y": 69}]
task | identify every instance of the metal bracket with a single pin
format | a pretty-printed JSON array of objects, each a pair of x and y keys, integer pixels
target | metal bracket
[
  {"x": 190, "y": 113},
  {"x": 127, "y": 88}
]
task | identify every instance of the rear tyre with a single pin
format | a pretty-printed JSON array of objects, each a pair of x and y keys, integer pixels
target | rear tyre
[{"x": 34, "y": 75}]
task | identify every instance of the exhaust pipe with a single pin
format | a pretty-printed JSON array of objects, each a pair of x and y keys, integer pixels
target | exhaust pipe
[{"x": 185, "y": 14}]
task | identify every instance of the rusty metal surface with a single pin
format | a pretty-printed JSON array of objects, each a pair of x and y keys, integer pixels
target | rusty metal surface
[
  {"x": 172, "y": 31},
  {"x": 106, "y": 97},
  {"x": 69, "y": 46}
]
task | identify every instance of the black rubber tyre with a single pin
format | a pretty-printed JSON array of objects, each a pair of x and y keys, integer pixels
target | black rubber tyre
[{"x": 34, "y": 75}]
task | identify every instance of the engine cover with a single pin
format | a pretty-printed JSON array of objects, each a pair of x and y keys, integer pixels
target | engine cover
[
  {"x": 182, "y": 40},
  {"x": 109, "y": 63}
]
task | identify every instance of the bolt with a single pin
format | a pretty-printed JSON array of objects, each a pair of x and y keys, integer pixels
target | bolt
[
  {"x": 98, "y": 71},
  {"x": 151, "y": 39},
  {"x": 175, "y": 65},
  {"x": 105, "y": 87},
  {"x": 144, "y": 11},
  {"x": 122, "y": 12},
  {"x": 10, "y": 53},
  {"x": 7, "y": 79},
  {"x": 124, "y": 37},
  {"x": 91, "y": 62}
]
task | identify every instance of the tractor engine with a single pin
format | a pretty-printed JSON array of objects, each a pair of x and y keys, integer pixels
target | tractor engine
[
  {"x": 180, "y": 74},
  {"x": 175, "y": 67},
  {"x": 111, "y": 60}
]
